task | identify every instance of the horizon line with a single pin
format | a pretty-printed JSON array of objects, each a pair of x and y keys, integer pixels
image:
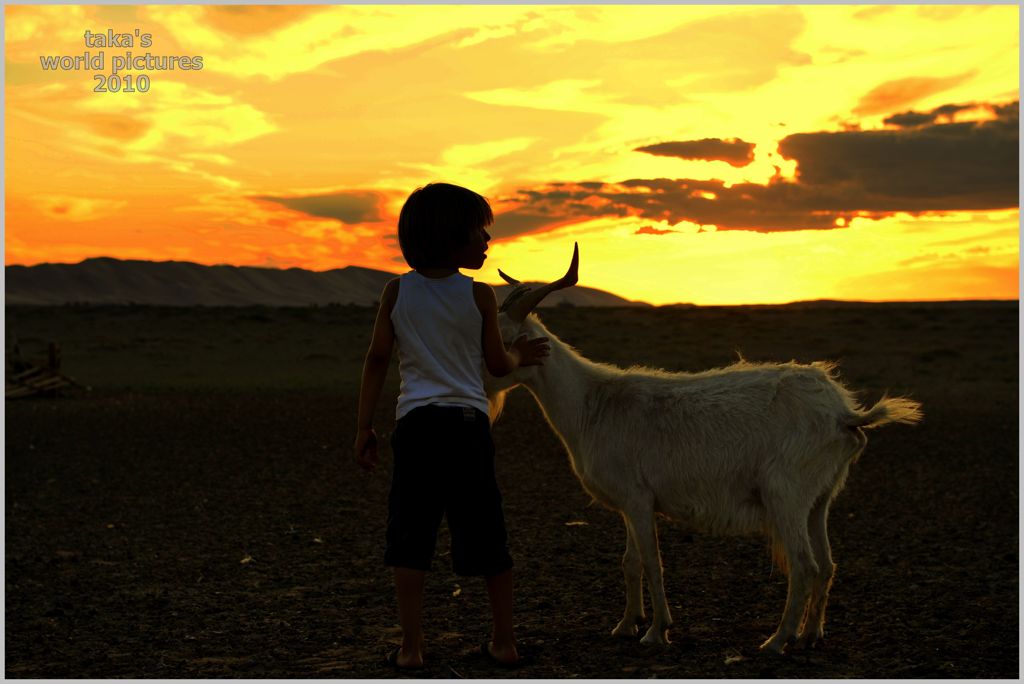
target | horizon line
[{"x": 502, "y": 284}]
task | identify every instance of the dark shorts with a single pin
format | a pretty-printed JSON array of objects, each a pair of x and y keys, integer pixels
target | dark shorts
[{"x": 444, "y": 467}]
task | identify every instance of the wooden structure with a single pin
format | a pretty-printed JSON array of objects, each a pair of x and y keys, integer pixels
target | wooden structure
[{"x": 25, "y": 379}]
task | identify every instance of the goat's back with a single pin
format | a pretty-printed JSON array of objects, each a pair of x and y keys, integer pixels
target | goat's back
[
  {"x": 744, "y": 395},
  {"x": 712, "y": 447}
]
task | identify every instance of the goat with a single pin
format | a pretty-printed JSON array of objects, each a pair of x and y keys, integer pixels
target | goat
[{"x": 753, "y": 447}]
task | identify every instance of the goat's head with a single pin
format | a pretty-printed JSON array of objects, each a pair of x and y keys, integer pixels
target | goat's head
[
  {"x": 522, "y": 300},
  {"x": 513, "y": 321}
]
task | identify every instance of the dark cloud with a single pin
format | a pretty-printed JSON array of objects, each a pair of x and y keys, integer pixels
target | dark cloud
[
  {"x": 912, "y": 118},
  {"x": 947, "y": 111},
  {"x": 1007, "y": 112},
  {"x": 518, "y": 222},
  {"x": 349, "y": 206},
  {"x": 735, "y": 152},
  {"x": 745, "y": 206},
  {"x": 931, "y": 167}
]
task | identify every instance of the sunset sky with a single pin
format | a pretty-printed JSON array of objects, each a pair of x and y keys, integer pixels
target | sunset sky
[{"x": 706, "y": 154}]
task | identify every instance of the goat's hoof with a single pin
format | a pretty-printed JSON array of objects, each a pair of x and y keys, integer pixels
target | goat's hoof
[
  {"x": 655, "y": 637},
  {"x": 810, "y": 639},
  {"x": 776, "y": 645},
  {"x": 625, "y": 630}
]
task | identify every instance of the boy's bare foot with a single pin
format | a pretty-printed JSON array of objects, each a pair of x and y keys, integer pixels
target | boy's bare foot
[{"x": 504, "y": 655}]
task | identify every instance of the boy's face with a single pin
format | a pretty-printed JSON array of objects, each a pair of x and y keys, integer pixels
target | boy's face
[{"x": 472, "y": 254}]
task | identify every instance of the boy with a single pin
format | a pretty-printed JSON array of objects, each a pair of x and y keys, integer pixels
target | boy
[{"x": 446, "y": 328}]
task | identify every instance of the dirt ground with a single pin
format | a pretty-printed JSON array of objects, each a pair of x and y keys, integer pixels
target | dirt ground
[{"x": 197, "y": 513}]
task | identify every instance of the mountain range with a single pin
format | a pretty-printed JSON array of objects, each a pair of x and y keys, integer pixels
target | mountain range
[{"x": 105, "y": 280}]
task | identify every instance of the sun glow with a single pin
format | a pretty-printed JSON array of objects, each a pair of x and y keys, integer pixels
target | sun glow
[{"x": 544, "y": 110}]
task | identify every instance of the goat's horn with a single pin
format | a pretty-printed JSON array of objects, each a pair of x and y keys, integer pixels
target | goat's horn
[
  {"x": 508, "y": 279},
  {"x": 523, "y": 305}
]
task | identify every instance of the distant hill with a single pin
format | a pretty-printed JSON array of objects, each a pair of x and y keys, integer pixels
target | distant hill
[{"x": 105, "y": 280}]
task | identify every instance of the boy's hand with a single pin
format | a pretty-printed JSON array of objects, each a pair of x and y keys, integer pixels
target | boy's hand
[
  {"x": 531, "y": 351},
  {"x": 365, "y": 449}
]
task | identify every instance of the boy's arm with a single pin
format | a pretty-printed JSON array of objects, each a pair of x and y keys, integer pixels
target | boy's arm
[
  {"x": 375, "y": 369},
  {"x": 501, "y": 361}
]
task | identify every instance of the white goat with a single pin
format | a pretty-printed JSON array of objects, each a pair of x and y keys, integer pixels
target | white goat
[{"x": 754, "y": 447}]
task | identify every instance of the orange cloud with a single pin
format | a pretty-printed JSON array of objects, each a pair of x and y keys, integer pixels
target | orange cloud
[
  {"x": 116, "y": 127},
  {"x": 892, "y": 95},
  {"x": 77, "y": 209},
  {"x": 651, "y": 230},
  {"x": 248, "y": 20}
]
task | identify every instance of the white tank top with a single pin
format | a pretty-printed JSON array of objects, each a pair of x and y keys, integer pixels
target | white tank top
[{"x": 438, "y": 329}]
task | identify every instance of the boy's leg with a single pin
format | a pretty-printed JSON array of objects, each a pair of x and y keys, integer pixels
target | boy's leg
[
  {"x": 503, "y": 641},
  {"x": 415, "y": 511},
  {"x": 409, "y": 588},
  {"x": 477, "y": 524}
]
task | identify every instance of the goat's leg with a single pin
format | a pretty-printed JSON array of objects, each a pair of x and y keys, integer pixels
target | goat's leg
[
  {"x": 633, "y": 570},
  {"x": 802, "y": 571},
  {"x": 817, "y": 527},
  {"x": 643, "y": 528}
]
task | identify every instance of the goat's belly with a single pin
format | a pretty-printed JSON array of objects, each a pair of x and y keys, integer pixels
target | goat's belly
[
  {"x": 722, "y": 512},
  {"x": 601, "y": 493},
  {"x": 605, "y": 489}
]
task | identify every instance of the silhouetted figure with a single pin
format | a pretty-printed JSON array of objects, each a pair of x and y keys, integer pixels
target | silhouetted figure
[{"x": 446, "y": 329}]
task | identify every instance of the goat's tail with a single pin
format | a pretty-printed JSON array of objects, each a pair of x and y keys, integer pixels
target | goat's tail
[{"x": 888, "y": 410}]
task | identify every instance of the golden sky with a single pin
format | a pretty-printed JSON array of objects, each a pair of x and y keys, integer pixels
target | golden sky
[{"x": 706, "y": 154}]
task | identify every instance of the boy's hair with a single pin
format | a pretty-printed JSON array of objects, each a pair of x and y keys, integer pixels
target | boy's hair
[{"x": 438, "y": 219}]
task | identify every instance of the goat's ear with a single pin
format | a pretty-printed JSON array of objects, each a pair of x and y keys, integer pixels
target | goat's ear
[{"x": 518, "y": 291}]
